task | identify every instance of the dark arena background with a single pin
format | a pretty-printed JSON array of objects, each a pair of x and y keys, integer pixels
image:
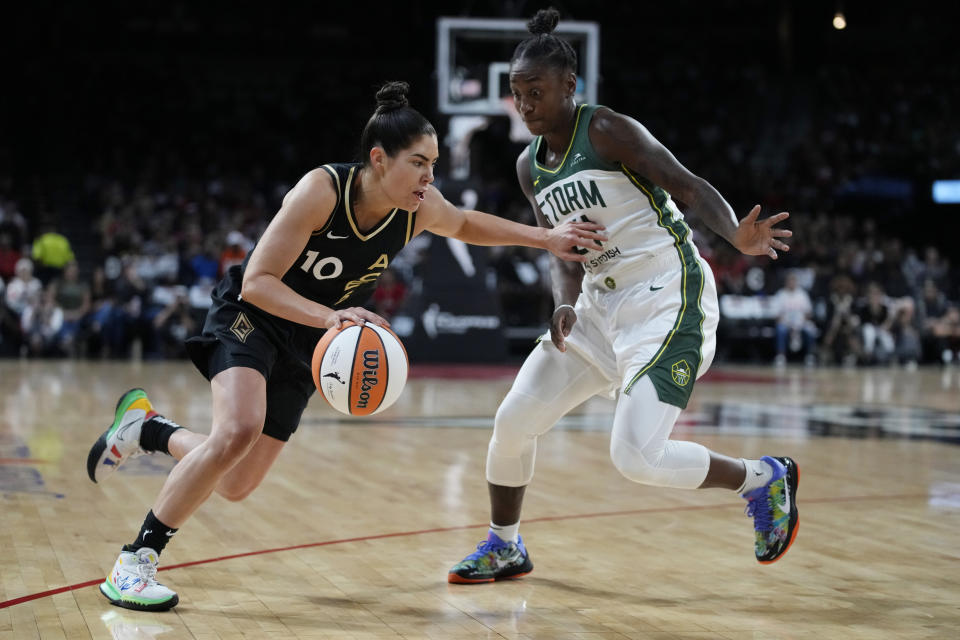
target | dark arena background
[{"x": 144, "y": 149}]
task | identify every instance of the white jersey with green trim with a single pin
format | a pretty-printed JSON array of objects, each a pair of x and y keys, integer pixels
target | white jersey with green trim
[{"x": 641, "y": 220}]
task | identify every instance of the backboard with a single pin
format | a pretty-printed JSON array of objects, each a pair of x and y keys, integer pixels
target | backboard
[{"x": 473, "y": 62}]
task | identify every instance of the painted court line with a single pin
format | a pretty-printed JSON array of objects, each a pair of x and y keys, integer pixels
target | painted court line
[{"x": 400, "y": 534}]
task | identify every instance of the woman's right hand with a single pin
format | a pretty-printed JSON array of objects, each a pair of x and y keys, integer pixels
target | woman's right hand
[{"x": 357, "y": 315}]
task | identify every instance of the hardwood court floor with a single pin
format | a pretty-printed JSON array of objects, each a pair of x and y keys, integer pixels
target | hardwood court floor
[{"x": 373, "y": 512}]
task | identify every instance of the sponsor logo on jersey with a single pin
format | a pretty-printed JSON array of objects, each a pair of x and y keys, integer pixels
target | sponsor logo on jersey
[
  {"x": 602, "y": 259},
  {"x": 610, "y": 282},
  {"x": 241, "y": 327},
  {"x": 680, "y": 371}
]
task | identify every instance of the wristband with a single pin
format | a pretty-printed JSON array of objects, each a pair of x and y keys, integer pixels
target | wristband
[{"x": 564, "y": 305}]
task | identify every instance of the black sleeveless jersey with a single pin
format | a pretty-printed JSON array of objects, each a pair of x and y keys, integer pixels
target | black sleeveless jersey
[{"x": 338, "y": 267}]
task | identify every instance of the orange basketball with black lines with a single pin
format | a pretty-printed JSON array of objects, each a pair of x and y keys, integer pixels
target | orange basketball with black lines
[{"x": 360, "y": 369}]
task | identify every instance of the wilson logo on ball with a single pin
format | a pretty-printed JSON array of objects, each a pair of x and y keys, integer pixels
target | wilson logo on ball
[
  {"x": 371, "y": 368},
  {"x": 360, "y": 370}
]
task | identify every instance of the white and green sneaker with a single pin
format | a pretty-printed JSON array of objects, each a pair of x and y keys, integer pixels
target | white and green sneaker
[
  {"x": 121, "y": 440},
  {"x": 133, "y": 585}
]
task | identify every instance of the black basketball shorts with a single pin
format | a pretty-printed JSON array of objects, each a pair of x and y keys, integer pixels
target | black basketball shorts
[{"x": 233, "y": 336}]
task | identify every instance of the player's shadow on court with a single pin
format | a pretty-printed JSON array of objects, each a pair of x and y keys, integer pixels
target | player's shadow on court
[
  {"x": 832, "y": 611},
  {"x": 598, "y": 593}
]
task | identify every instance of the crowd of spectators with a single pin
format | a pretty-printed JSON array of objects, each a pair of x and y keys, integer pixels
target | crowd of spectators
[
  {"x": 118, "y": 255},
  {"x": 845, "y": 293}
]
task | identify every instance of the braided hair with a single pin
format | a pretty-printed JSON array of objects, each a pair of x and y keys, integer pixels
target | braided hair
[
  {"x": 394, "y": 124},
  {"x": 542, "y": 45}
]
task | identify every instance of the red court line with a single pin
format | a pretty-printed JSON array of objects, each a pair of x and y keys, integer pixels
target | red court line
[{"x": 400, "y": 534}]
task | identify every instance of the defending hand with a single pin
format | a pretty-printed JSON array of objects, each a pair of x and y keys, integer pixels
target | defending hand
[
  {"x": 563, "y": 239},
  {"x": 757, "y": 238}
]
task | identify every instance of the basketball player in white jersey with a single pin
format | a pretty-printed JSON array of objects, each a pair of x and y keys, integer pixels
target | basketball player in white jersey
[
  {"x": 637, "y": 320},
  {"x": 314, "y": 267}
]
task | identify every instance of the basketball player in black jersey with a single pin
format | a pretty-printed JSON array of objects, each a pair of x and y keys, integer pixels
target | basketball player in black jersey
[{"x": 315, "y": 265}]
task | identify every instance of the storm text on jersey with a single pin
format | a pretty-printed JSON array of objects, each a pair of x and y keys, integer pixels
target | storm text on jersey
[{"x": 567, "y": 197}]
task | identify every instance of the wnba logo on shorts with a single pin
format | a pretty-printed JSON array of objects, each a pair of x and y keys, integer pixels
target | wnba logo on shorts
[
  {"x": 241, "y": 327},
  {"x": 680, "y": 372}
]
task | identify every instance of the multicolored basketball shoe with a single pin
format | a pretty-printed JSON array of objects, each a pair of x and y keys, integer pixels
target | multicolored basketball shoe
[
  {"x": 133, "y": 585},
  {"x": 774, "y": 510},
  {"x": 121, "y": 440},
  {"x": 494, "y": 559}
]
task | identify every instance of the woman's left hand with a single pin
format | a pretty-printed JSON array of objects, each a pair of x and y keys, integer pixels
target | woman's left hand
[{"x": 758, "y": 238}]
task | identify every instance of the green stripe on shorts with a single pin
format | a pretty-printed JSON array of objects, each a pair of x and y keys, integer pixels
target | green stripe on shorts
[{"x": 673, "y": 370}]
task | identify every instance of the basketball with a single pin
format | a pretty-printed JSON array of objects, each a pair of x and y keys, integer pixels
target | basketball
[{"x": 360, "y": 370}]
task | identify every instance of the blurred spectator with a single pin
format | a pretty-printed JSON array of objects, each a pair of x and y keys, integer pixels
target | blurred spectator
[
  {"x": 934, "y": 267},
  {"x": 118, "y": 306},
  {"x": 9, "y": 256},
  {"x": 12, "y": 222},
  {"x": 841, "y": 336},
  {"x": 10, "y": 335},
  {"x": 389, "y": 294},
  {"x": 876, "y": 320},
  {"x": 101, "y": 310},
  {"x": 51, "y": 251},
  {"x": 890, "y": 270},
  {"x": 730, "y": 269},
  {"x": 173, "y": 323},
  {"x": 234, "y": 252},
  {"x": 128, "y": 322},
  {"x": 906, "y": 337},
  {"x": 199, "y": 295},
  {"x": 932, "y": 311},
  {"x": 41, "y": 323},
  {"x": 160, "y": 261},
  {"x": 202, "y": 262},
  {"x": 932, "y": 301},
  {"x": 913, "y": 269},
  {"x": 794, "y": 326},
  {"x": 23, "y": 288},
  {"x": 72, "y": 296},
  {"x": 946, "y": 332}
]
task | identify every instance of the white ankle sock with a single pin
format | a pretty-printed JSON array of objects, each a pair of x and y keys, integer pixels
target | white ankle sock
[
  {"x": 506, "y": 532},
  {"x": 758, "y": 475}
]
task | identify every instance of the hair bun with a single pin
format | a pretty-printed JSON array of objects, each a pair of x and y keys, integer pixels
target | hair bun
[
  {"x": 544, "y": 22},
  {"x": 392, "y": 95}
]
